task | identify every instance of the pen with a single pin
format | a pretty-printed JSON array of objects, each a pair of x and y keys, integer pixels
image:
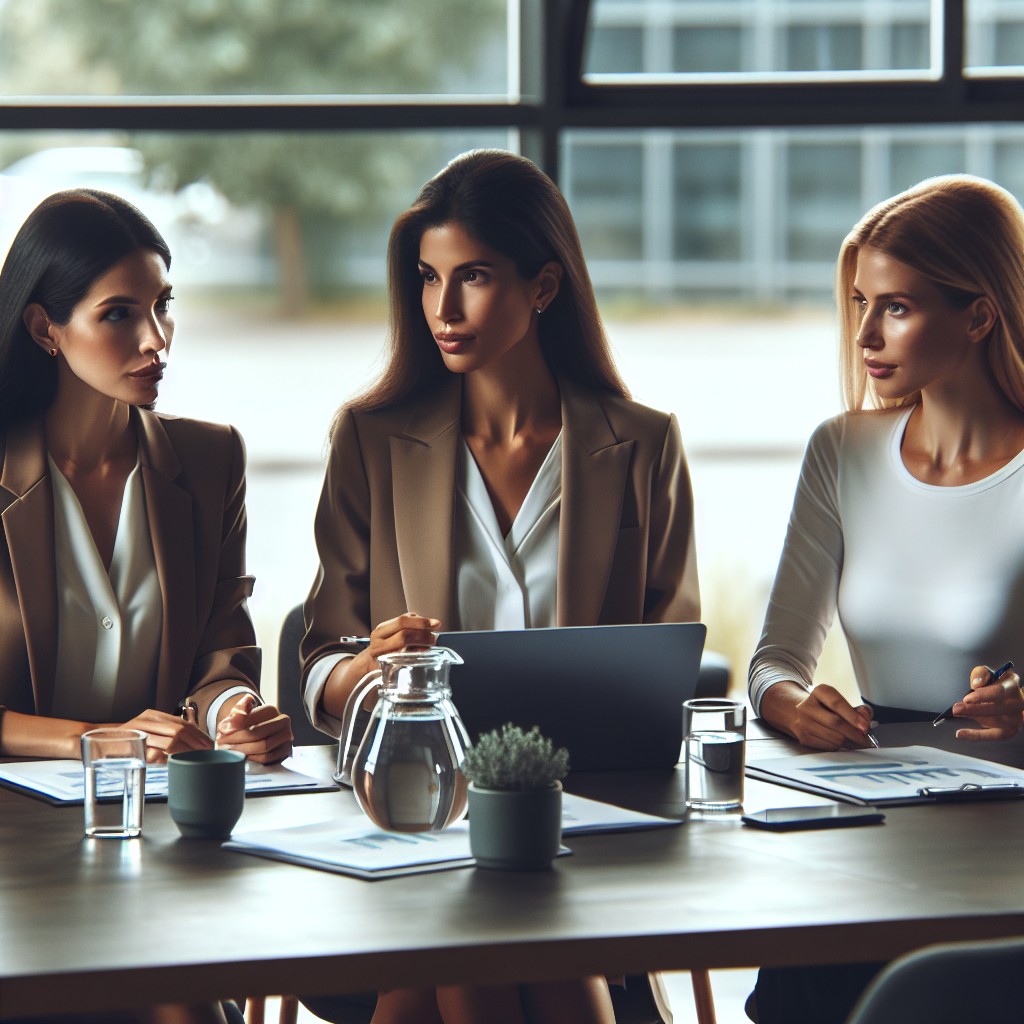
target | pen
[
  {"x": 188, "y": 711},
  {"x": 996, "y": 676}
]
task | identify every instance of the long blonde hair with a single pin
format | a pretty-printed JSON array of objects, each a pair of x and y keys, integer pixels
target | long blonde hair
[{"x": 966, "y": 236}]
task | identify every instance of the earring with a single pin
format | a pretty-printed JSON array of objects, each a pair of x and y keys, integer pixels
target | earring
[
  {"x": 53, "y": 352},
  {"x": 540, "y": 309}
]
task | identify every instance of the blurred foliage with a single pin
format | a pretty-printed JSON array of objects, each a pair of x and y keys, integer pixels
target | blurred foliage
[{"x": 263, "y": 48}]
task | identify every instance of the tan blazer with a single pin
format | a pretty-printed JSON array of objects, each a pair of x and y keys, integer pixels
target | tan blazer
[
  {"x": 385, "y": 520},
  {"x": 193, "y": 476}
]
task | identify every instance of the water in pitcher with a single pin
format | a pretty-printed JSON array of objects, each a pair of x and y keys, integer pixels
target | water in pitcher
[{"x": 405, "y": 775}]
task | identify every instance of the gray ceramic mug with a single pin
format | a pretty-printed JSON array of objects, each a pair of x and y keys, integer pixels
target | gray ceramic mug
[{"x": 206, "y": 792}]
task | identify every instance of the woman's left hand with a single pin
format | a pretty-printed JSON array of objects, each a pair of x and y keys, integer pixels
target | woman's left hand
[
  {"x": 996, "y": 707},
  {"x": 262, "y": 733}
]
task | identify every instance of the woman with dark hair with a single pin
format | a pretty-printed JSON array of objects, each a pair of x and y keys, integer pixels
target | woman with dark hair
[
  {"x": 497, "y": 476},
  {"x": 122, "y": 582},
  {"x": 122, "y": 579}
]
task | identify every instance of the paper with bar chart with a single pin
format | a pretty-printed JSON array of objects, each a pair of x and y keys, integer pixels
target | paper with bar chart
[{"x": 891, "y": 775}]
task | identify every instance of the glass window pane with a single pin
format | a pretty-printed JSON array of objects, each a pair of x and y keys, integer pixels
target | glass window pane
[
  {"x": 702, "y": 48},
  {"x": 607, "y": 199},
  {"x": 994, "y": 32},
  {"x": 252, "y": 47},
  {"x": 823, "y": 48},
  {"x": 824, "y": 200},
  {"x": 914, "y": 161},
  {"x": 910, "y": 47},
  {"x": 616, "y": 50},
  {"x": 708, "y": 202},
  {"x": 762, "y": 38}
]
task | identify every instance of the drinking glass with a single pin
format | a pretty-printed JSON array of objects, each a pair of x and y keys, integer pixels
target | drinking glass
[
  {"x": 114, "y": 761},
  {"x": 714, "y": 738}
]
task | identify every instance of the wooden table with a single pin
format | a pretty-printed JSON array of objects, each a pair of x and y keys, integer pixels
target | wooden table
[{"x": 104, "y": 925}]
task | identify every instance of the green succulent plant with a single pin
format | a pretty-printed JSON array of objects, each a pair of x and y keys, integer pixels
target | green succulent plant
[{"x": 515, "y": 758}]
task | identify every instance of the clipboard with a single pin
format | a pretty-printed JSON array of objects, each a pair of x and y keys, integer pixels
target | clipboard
[
  {"x": 968, "y": 792},
  {"x": 893, "y": 776}
]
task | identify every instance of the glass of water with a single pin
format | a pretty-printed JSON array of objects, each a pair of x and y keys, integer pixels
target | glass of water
[
  {"x": 115, "y": 782},
  {"x": 714, "y": 740}
]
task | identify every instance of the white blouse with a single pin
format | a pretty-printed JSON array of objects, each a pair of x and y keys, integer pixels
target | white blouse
[
  {"x": 108, "y": 623},
  {"x": 507, "y": 582},
  {"x": 501, "y": 582}
]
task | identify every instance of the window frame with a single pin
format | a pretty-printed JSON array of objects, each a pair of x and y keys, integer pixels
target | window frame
[{"x": 555, "y": 97}]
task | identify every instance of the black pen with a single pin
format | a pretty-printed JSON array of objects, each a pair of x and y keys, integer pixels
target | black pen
[{"x": 996, "y": 676}]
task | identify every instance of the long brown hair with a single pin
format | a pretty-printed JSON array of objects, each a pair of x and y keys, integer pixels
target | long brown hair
[
  {"x": 509, "y": 204},
  {"x": 966, "y": 236}
]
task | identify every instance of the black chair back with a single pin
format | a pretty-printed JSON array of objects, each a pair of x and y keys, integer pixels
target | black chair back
[{"x": 289, "y": 682}]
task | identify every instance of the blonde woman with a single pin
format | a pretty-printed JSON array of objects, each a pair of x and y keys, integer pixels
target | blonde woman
[{"x": 907, "y": 514}]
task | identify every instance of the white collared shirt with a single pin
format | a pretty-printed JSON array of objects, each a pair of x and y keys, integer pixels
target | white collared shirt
[
  {"x": 500, "y": 582},
  {"x": 507, "y": 582},
  {"x": 108, "y": 623}
]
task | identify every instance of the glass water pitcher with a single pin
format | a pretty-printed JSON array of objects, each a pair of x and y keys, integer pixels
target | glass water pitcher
[{"x": 405, "y": 774}]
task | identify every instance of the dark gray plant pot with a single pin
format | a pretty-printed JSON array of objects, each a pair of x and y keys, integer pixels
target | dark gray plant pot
[{"x": 515, "y": 830}]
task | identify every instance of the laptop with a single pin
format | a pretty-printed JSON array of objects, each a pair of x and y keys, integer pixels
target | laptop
[{"x": 611, "y": 695}]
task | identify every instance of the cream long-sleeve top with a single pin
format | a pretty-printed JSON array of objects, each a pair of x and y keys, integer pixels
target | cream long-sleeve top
[
  {"x": 502, "y": 582},
  {"x": 928, "y": 581}
]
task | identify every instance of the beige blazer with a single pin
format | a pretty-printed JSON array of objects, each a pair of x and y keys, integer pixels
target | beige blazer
[
  {"x": 193, "y": 476},
  {"x": 385, "y": 520}
]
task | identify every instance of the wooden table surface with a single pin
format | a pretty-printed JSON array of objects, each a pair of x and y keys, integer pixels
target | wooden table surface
[{"x": 104, "y": 925}]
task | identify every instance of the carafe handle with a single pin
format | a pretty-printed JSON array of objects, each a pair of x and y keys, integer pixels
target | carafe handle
[{"x": 346, "y": 746}]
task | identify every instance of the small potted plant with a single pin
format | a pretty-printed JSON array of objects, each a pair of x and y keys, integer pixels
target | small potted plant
[{"x": 515, "y": 798}]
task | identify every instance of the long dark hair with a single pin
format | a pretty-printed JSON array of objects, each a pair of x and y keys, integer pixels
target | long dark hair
[
  {"x": 509, "y": 204},
  {"x": 68, "y": 241}
]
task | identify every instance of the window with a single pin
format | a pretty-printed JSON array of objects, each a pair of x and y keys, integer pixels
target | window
[{"x": 714, "y": 153}]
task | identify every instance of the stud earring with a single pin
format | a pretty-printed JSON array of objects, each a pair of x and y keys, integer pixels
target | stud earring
[
  {"x": 53, "y": 352},
  {"x": 540, "y": 309}
]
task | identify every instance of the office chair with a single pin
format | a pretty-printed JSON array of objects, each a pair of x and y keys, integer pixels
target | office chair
[
  {"x": 289, "y": 675},
  {"x": 976, "y": 981}
]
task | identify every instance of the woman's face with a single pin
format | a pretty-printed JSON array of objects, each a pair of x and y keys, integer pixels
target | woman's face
[
  {"x": 117, "y": 333},
  {"x": 911, "y": 338},
  {"x": 476, "y": 305}
]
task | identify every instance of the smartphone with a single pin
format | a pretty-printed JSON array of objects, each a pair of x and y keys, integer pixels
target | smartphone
[{"x": 788, "y": 819}]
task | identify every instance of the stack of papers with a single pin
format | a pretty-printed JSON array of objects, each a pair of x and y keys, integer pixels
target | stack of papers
[
  {"x": 63, "y": 782},
  {"x": 361, "y": 850}
]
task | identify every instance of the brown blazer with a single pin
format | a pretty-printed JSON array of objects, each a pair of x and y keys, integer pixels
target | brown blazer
[
  {"x": 385, "y": 519},
  {"x": 194, "y": 480}
]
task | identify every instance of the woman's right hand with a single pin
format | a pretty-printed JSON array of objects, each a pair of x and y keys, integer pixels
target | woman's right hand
[
  {"x": 408, "y": 630},
  {"x": 168, "y": 734},
  {"x": 822, "y": 719}
]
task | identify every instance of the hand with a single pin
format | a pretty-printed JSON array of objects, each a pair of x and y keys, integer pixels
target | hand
[
  {"x": 167, "y": 734},
  {"x": 822, "y": 719},
  {"x": 996, "y": 707},
  {"x": 262, "y": 733},
  {"x": 408, "y": 630}
]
